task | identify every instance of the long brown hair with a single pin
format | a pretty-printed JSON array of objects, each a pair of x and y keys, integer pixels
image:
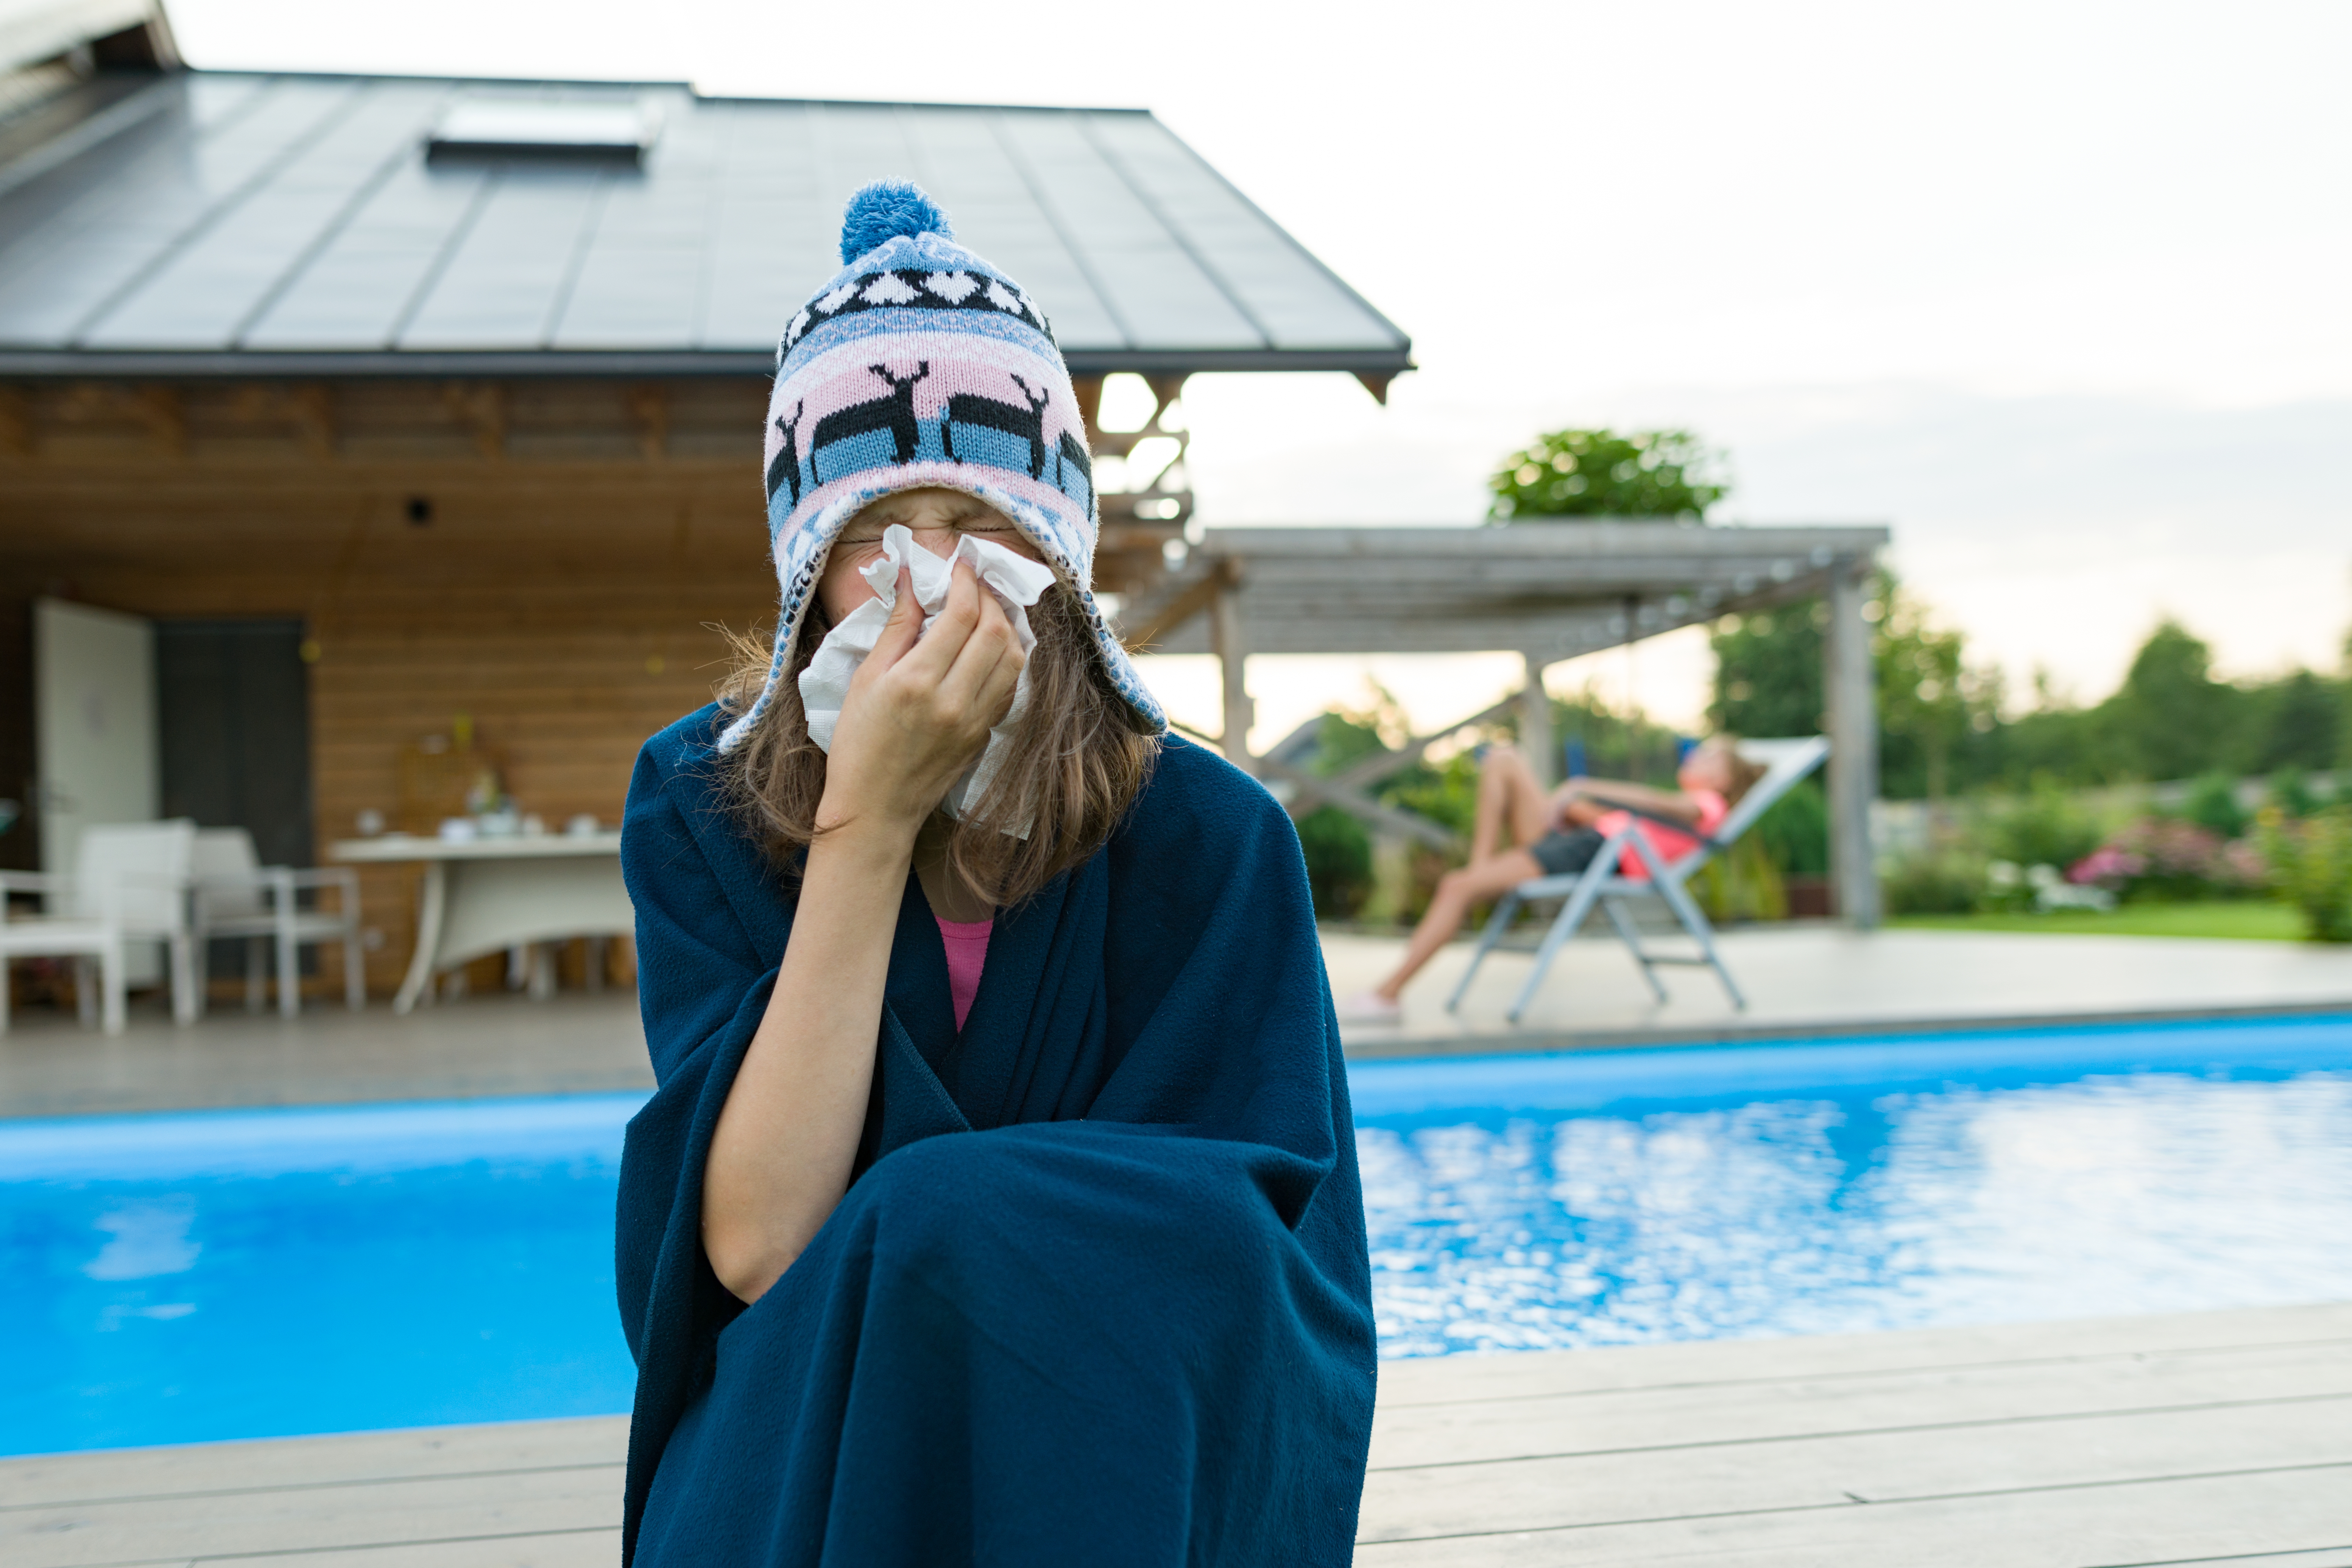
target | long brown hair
[
  {"x": 1744, "y": 769},
  {"x": 1078, "y": 760}
]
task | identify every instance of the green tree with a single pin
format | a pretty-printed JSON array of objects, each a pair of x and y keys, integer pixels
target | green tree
[
  {"x": 1936, "y": 712},
  {"x": 2343, "y": 710},
  {"x": 1941, "y": 729},
  {"x": 1931, "y": 705},
  {"x": 1767, "y": 672},
  {"x": 2295, "y": 722},
  {"x": 1344, "y": 737},
  {"x": 1795, "y": 830},
  {"x": 1600, "y": 473},
  {"x": 2057, "y": 742},
  {"x": 2172, "y": 720},
  {"x": 1615, "y": 745}
]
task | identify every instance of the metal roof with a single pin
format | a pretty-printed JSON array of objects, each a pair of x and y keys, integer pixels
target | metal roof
[{"x": 232, "y": 224}]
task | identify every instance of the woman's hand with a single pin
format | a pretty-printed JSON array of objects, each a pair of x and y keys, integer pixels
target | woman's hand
[{"x": 918, "y": 710}]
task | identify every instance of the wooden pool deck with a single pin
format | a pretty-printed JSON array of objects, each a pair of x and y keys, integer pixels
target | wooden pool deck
[
  {"x": 1801, "y": 981},
  {"x": 2194, "y": 1440},
  {"x": 1818, "y": 980}
]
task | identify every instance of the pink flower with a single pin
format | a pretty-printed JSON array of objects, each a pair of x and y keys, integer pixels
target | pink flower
[
  {"x": 2166, "y": 850},
  {"x": 2107, "y": 866},
  {"x": 2246, "y": 863}
]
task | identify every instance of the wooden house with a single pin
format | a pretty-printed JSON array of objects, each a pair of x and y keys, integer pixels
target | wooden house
[{"x": 399, "y": 417}]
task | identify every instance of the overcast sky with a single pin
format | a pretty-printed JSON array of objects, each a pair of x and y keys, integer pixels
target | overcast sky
[{"x": 2057, "y": 291}]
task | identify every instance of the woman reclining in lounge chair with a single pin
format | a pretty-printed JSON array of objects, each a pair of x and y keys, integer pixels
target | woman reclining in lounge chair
[{"x": 1557, "y": 836}]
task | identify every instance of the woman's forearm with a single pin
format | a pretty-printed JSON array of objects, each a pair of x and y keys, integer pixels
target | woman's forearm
[
  {"x": 781, "y": 1156},
  {"x": 918, "y": 713},
  {"x": 1641, "y": 797}
]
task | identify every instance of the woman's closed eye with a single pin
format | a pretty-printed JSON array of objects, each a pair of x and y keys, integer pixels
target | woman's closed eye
[{"x": 872, "y": 542}]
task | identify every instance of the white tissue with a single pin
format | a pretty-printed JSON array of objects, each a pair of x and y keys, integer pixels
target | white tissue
[{"x": 1016, "y": 581}]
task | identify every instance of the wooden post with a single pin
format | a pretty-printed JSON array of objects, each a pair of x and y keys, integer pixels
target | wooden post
[
  {"x": 1535, "y": 725},
  {"x": 1232, "y": 661},
  {"x": 1854, "y": 750}
]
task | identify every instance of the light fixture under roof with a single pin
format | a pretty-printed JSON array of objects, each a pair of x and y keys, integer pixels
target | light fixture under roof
[{"x": 604, "y": 130}]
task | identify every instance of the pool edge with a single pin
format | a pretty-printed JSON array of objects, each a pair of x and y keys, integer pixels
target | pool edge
[{"x": 1734, "y": 1032}]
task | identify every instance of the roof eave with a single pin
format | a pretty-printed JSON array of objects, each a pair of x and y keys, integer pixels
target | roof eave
[{"x": 167, "y": 364}]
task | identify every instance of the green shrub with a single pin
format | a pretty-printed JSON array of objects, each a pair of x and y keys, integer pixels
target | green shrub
[
  {"x": 1447, "y": 795},
  {"x": 1941, "y": 882},
  {"x": 1339, "y": 861},
  {"x": 2048, "y": 827},
  {"x": 2292, "y": 794},
  {"x": 1343, "y": 739},
  {"x": 1795, "y": 832},
  {"x": 1742, "y": 884},
  {"x": 2212, "y": 804},
  {"x": 2311, "y": 866}
]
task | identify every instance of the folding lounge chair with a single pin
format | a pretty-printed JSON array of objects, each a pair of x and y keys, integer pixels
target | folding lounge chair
[{"x": 1602, "y": 882}]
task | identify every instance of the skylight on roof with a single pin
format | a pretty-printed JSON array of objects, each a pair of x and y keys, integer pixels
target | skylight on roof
[{"x": 544, "y": 128}]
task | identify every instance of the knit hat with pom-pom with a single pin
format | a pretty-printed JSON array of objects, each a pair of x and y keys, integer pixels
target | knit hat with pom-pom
[{"x": 920, "y": 364}]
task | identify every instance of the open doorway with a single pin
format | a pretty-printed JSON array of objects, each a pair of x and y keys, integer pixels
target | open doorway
[{"x": 233, "y": 720}]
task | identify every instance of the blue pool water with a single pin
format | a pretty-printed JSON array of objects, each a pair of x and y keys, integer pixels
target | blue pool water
[{"x": 252, "y": 1273}]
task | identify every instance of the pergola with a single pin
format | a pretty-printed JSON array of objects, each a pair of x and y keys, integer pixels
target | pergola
[{"x": 1546, "y": 591}]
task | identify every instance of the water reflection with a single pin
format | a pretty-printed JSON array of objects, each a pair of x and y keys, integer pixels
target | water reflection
[{"x": 2150, "y": 1192}]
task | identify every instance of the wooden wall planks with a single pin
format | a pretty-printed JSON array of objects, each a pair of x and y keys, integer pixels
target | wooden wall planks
[{"x": 566, "y": 609}]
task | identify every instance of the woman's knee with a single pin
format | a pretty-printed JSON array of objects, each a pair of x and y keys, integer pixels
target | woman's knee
[{"x": 1491, "y": 878}]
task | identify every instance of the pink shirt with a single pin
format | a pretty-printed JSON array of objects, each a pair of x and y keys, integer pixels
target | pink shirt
[
  {"x": 1670, "y": 845},
  {"x": 967, "y": 945}
]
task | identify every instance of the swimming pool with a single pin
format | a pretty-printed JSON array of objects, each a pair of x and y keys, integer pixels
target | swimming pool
[
  {"x": 199, "y": 1276},
  {"x": 1623, "y": 1197}
]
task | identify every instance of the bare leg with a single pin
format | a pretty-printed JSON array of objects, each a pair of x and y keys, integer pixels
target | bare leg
[
  {"x": 1507, "y": 793},
  {"x": 1508, "y": 796},
  {"x": 1457, "y": 891}
]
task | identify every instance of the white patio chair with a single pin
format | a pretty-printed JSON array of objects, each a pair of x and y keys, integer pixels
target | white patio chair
[
  {"x": 1602, "y": 882},
  {"x": 232, "y": 899},
  {"x": 88, "y": 940},
  {"x": 238, "y": 897},
  {"x": 129, "y": 884}
]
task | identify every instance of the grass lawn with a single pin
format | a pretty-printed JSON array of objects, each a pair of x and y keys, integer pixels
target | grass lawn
[{"x": 2254, "y": 920}]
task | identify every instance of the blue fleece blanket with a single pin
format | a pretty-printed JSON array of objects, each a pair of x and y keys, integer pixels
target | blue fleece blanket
[{"x": 1098, "y": 1292}]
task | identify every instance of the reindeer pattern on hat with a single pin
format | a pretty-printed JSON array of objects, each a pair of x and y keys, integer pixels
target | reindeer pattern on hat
[{"x": 873, "y": 403}]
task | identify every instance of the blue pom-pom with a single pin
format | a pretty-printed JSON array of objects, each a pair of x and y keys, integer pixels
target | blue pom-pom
[{"x": 883, "y": 211}]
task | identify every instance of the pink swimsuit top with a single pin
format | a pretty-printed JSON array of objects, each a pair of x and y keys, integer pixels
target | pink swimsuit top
[
  {"x": 967, "y": 945},
  {"x": 1670, "y": 844}
]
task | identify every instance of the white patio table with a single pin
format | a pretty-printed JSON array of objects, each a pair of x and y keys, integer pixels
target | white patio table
[{"x": 487, "y": 895}]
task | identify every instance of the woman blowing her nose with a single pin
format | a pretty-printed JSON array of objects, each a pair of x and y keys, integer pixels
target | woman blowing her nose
[{"x": 998, "y": 1203}]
